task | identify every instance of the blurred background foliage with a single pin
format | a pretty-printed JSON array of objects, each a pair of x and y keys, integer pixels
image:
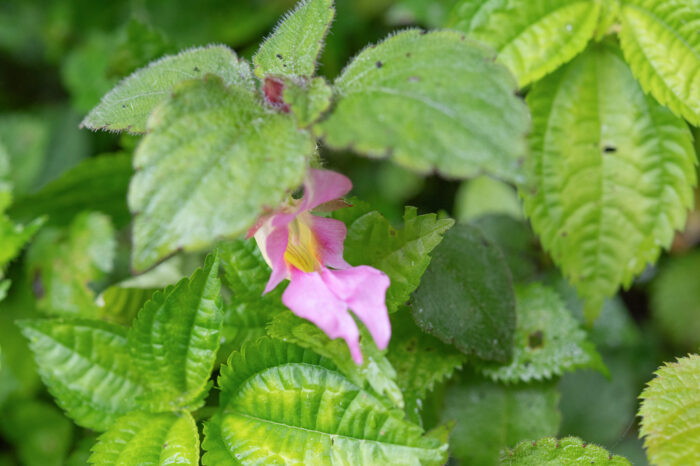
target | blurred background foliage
[{"x": 58, "y": 57}]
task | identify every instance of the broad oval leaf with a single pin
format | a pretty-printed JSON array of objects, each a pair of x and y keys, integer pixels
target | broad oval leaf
[
  {"x": 548, "y": 340},
  {"x": 661, "y": 43},
  {"x": 430, "y": 101},
  {"x": 86, "y": 366},
  {"x": 294, "y": 46},
  {"x": 127, "y": 106},
  {"x": 147, "y": 438},
  {"x": 175, "y": 338},
  {"x": 214, "y": 159},
  {"x": 670, "y": 413},
  {"x": 550, "y": 451},
  {"x": 283, "y": 405},
  {"x": 532, "y": 37},
  {"x": 613, "y": 173},
  {"x": 466, "y": 296}
]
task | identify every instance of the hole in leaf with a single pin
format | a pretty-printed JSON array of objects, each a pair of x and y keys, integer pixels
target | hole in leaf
[
  {"x": 534, "y": 340},
  {"x": 38, "y": 285},
  {"x": 609, "y": 149}
]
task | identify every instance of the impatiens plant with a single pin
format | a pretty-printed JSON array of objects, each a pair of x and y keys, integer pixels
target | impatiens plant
[{"x": 236, "y": 274}]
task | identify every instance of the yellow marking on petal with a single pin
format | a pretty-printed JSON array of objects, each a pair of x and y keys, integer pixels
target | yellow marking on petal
[{"x": 302, "y": 248}]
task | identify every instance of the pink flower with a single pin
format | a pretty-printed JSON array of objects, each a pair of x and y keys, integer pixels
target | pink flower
[{"x": 300, "y": 247}]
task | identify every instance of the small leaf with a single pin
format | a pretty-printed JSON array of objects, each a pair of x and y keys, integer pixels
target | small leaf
[
  {"x": 432, "y": 101},
  {"x": 661, "y": 43},
  {"x": 62, "y": 262},
  {"x": 402, "y": 254},
  {"x": 614, "y": 174},
  {"x": 551, "y": 452},
  {"x": 548, "y": 340},
  {"x": 127, "y": 106},
  {"x": 466, "y": 296},
  {"x": 532, "y": 37},
  {"x": 147, "y": 438},
  {"x": 376, "y": 370},
  {"x": 24, "y": 139},
  {"x": 97, "y": 184},
  {"x": 308, "y": 101},
  {"x": 175, "y": 338},
  {"x": 86, "y": 367},
  {"x": 13, "y": 237},
  {"x": 670, "y": 413},
  {"x": 294, "y": 46},
  {"x": 209, "y": 142},
  {"x": 491, "y": 417},
  {"x": 281, "y": 404}
]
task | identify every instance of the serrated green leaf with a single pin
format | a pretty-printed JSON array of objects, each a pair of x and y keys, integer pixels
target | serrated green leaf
[
  {"x": 308, "y": 100},
  {"x": 120, "y": 305},
  {"x": 675, "y": 301},
  {"x": 420, "y": 361},
  {"x": 431, "y": 101},
  {"x": 662, "y": 46},
  {"x": 376, "y": 371},
  {"x": 670, "y": 413},
  {"x": 86, "y": 366},
  {"x": 491, "y": 417},
  {"x": 97, "y": 184},
  {"x": 175, "y": 338},
  {"x": 281, "y": 404},
  {"x": 553, "y": 452},
  {"x": 13, "y": 236},
  {"x": 466, "y": 296},
  {"x": 548, "y": 340},
  {"x": 127, "y": 106},
  {"x": 403, "y": 254},
  {"x": 147, "y": 438},
  {"x": 532, "y": 38},
  {"x": 62, "y": 262},
  {"x": 486, "y": 196},
  {"x": 210, "y": 142},
  {"x": 294, "y": 46},
  {"x": 614, "y": 173}
]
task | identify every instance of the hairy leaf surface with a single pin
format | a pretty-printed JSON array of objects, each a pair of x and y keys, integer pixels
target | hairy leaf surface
[
  {"x": 614, "y": 173},
  {"x": 551, "y": 452},
  {"x": 127, "y": 106},
  {"x": 670, "y": 413},
  {"x": 282, "y": 404},
  {"x": 430, "y": 101},
  {"x": 147, "y": 438},
  {"x": 532, "y": 38},
  {"x": 214, "y": 158},
  {"x": 548, "y": 340},
  {"x": 175, "y": 338},
  {"x": 661, "y": 43},
  {"x": 86, "y": 366}
]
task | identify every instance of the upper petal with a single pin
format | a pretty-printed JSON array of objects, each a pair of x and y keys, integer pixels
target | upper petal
[
  {"x": 322, "y": 186},
  {"x": 308, "y": 297},
  {"x": 363, "y": 289},
  {"x": 330, "y": 236}
]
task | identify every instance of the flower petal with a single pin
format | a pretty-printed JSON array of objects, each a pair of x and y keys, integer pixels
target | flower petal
[
  {"x": 273, "y": 243},
  {"x": 322, "y": 186},
  {"x": 363, "y": 289},
  {"x": 308, "y": 297},
  {"x": 330, "y": 235}
]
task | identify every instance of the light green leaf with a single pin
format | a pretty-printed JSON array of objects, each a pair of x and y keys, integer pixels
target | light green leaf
[
  {"x": 432, "y": 101},
  {"x": 209, "y": 143},
  {"x": 532, "y": 38},
  {"x": 466, "y": 296},
  {"x": 96, "y": 184},
  {"x": 281, "y": 404},
  {"x": 24, "y": 139},
  {"x": 127, "y": 106},
  {"x": 403, "y": 254},
  {"x": 294, "y": 46},
  {"x": 614, "y": 174},
  {"x": 485, "y": 195},
  {"x": 86, "y": 366},
  {"x": 13, "y": 236},
  {"x": 661, "y": 43},
  {"x": 548, "y": 340},
  {"x": 376, "y": 371},
  {"x": 62, "y": 262},
  {"x": 675, "y": 300},
  {"x": 491, "y": 417},
  {"x": 308, "y": 100},
  {"x": 670, "y": 413},
  {"x": 420, "y": 360},
  {"x": 175, "y": 337},
  {"x": 553, "y": 452},
  {"x": 119, "y": 305},
  {"x": 146, "y": 438}
]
